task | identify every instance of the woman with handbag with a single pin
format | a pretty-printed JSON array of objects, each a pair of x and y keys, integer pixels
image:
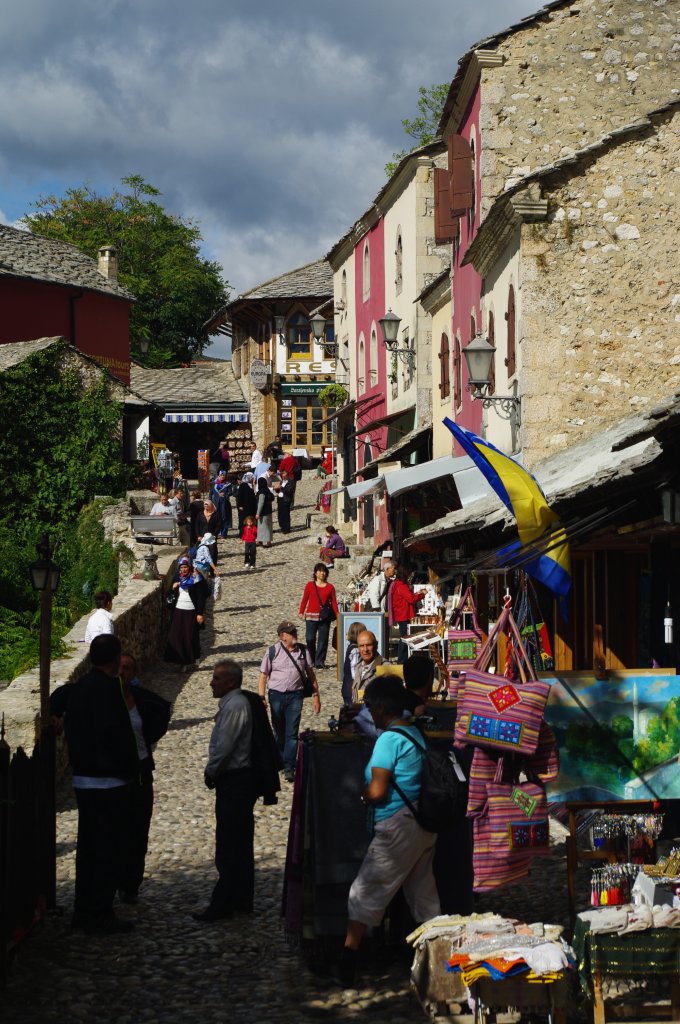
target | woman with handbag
[{"x": 318, "y": 607}]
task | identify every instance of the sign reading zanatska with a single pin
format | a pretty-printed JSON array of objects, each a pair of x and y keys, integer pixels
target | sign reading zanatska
[{"x": 259, "y": 374}]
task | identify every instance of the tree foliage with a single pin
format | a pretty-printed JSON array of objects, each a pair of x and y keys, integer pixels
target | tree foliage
[
  {"x": 424, "y": 126},
  {"x": 61, "y": 446},
  {"x": 159, "y": 261}
]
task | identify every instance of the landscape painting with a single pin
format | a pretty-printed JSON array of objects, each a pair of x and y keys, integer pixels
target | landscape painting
[{"x": 619, "y": 738}]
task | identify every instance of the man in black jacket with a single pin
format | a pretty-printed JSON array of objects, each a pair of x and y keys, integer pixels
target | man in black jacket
[{"x": 103, "y": 755}]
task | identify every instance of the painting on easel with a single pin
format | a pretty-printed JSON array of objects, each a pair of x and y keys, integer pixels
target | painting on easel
[{"x": 619, "y": 738}]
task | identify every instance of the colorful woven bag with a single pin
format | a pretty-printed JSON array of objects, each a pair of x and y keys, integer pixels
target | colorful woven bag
[
  {"x": 510, "y": 832},
  {"x": 499, "y": 713},
  {"x": 462, "y": 646},
  {"x": 544, "y": 765}
]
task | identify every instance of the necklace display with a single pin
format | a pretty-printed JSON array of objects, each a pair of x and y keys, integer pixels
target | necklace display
[{"x": 614, "y": 826}]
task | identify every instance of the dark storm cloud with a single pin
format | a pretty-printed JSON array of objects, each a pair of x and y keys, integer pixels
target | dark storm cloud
[{"x": 268, "y": 122}]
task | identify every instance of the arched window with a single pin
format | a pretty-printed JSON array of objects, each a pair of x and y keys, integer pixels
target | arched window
[
  {"x": 491, "y": 338},
  {"x": 398, "y": 265},
  {"x": 511, "y": 361},
  {"x": 444, "y": 357},
  {"x": 343, "y": 289},
  {"x": 298, "y": 336},
  {"x": 374, "y": 357},
  {"x": 473, "y": 327},
  {"x": 361, "y": 379},
  {"x": 367, "y": 271},
  {"x": 457, "y": 372}
]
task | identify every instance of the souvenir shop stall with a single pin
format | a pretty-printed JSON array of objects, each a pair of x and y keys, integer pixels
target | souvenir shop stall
[{"x": 499, "y": 705}]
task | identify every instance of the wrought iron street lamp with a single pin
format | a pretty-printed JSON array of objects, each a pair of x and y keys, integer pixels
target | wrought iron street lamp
[
  {"x": 479, "y": 358},
  {"x": 45, "y": 577},
  {"x": 280, "y": 327},
  {"x": 389, "y": 325},
  {"x": 319, "y": 325}
]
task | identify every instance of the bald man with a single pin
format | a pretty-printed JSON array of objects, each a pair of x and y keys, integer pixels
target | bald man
[{"x": 369, "y": 659}]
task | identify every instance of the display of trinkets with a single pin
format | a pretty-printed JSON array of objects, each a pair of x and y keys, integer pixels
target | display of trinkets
[
  {"x": 611, "y": 826},
  {"x": 612, "y": 885},
  {"x": 665, "y": 867}
]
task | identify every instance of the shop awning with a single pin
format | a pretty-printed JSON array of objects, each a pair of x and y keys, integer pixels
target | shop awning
[
  {"x": 348, "y": 407},
  {"x": 469, "y": 482},
  {"x": 365, "y": 487},
  {"x": 390, "y": 417},
  {"x": 192, "y": 416},
  {"x": 403, "y": 447}
]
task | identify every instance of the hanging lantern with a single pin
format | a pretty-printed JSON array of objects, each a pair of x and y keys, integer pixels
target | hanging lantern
[{"x": 668, "y": 624}]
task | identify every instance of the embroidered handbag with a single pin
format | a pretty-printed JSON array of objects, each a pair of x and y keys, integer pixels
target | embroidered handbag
[
  {"x": 462, "y": 646},
  {"x": 544, "y": 765},
  {"x": 510, "y": 832},
  {"x": 499, "y": 713}
]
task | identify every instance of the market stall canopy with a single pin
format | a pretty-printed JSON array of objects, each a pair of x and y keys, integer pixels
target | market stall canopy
[
  {"x": 403, "y": 447},
  {"x": 583, "y": 471},
  {"x": 469, "y": 482},
  {"x": 365, "y": 487}
]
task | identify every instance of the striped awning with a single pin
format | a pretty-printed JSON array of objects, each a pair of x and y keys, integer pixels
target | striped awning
[{"x": 205, "y": 417}]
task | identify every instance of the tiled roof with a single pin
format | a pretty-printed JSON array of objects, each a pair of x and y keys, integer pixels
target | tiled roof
[
  {"x": 14, "y": 352},
  {"x": 314, "y": 279},
  {"x": 25, "y": 255},
  {"x": 201, "y": 384}
]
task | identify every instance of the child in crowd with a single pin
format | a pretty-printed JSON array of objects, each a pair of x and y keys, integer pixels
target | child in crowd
[
  {"x": 203, "y": 561},
  {"x": 249, "y": 537}
]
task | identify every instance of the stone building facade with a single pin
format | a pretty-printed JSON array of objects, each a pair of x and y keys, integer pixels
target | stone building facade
[
  {"x": 522, "y": 100},
  {"x": 591, "y": 243}
]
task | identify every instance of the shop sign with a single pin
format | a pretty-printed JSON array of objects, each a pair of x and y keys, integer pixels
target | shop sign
[
  {"x": 259, "y": 374},
  {"x": 302, "y": 389},
  {"x": 320, "y": 366}
]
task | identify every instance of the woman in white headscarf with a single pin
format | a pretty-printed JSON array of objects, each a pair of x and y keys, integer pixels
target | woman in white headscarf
[{"x": 246, "y": 500}]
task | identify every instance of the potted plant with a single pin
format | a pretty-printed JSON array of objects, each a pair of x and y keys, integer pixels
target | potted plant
[{"x": 334, "y": 394}]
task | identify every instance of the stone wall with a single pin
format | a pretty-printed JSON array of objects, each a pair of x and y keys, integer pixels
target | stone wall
[
  {"x": 139, "y": 624},
  {"x": 571, "y": 77},
  {"x": 601, "y": 292}
]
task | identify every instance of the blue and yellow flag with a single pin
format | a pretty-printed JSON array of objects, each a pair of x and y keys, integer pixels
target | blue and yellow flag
[{"x": 521, "y": 494}]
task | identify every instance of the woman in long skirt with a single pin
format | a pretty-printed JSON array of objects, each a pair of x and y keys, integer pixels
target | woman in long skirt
[
  {"x": 183, "y": 646},
  {"x": 265, "y": 500}
]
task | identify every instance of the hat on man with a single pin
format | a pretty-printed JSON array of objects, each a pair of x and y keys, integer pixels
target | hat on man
[{"x": 286, "y": 627}]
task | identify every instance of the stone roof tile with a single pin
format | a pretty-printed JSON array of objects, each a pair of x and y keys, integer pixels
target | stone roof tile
[
  {"x": 199, "y": 384},
  {"x": 14, "y": 352},
  {"x": 26, "y": 255}
]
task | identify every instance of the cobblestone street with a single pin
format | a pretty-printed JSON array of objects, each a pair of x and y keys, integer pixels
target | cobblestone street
[{"x": 172, "y": 969}]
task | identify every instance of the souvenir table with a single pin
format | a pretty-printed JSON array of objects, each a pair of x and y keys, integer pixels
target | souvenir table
[
  {"x": 455, "y": 973},
  {"x": 644, "y": 954}
]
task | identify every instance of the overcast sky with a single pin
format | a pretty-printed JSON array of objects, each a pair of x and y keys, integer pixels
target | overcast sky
[{"x": 268, "y": 121}]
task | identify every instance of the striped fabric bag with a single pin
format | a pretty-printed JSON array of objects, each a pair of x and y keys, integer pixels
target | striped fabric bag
[
  {"x": 462, "y": 646},
  {"x": 499, "y": 713},
  {"x": 510, "y": 832},
  {"x": 544, "y": 765}
]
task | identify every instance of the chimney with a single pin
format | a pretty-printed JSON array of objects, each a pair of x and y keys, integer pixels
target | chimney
[{"x": 108, "y": 262}]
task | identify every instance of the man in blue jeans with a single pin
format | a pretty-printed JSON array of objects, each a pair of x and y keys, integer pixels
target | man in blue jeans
[{"x": 282, "y": 674}]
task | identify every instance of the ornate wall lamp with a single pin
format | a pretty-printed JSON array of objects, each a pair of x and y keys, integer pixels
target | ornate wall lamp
[
  {"x": 479, "y": 357},
  {"x": 389, "y": 325}
]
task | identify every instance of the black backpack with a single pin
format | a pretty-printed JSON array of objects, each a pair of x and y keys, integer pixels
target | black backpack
[
  {"x": 297, "y": 471},
  {"x": 441, "y": 787}
]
